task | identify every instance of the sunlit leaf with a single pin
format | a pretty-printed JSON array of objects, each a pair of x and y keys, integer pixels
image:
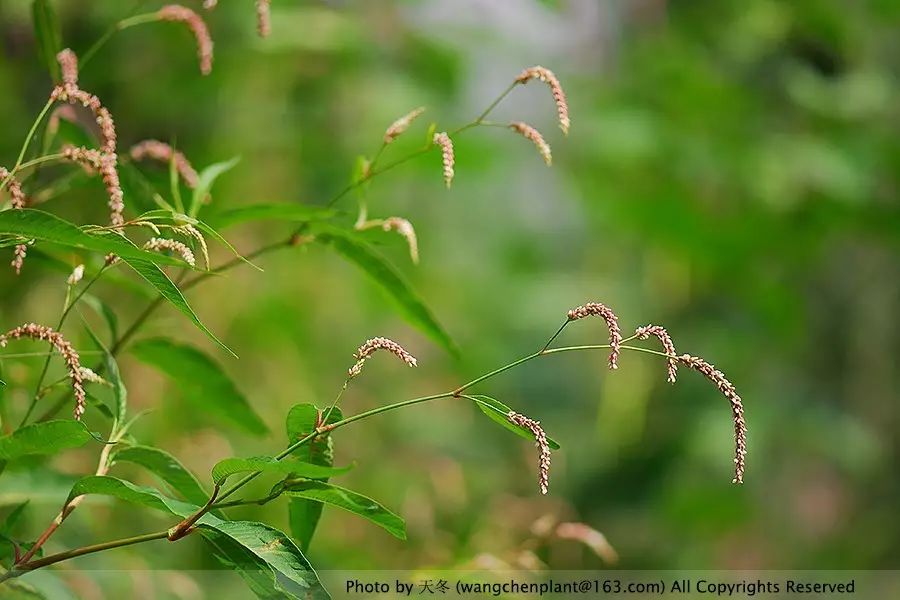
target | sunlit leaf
[
  {"x": 288, "y": 568},
  {"x": 390, "y": 279},
  {"x": 497, "y": 411},
  {"x": 201, "y": 381},
  {"x": 48, "y": 437},
  {"x": 320, "y": 491}
]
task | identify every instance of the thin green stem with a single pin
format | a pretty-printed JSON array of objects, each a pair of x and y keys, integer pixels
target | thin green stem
[
  {"x": 40, "y": 160},
  {"x": 27, "y": 143},
  {"x": 556, "y": 335},
  {"x": 117, "y": 27},
  {"x": 494, "y": 104}
]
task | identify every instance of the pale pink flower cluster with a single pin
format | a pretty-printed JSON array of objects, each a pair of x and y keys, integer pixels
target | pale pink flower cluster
[
  {"x": 443, "y": 141},
  {"x": 737, "y": 408},
  {"x": 559, "y": 97},
  {"x": 646, "y": 331},
  {"x": 107, "y": 164},
  {"x": 70, "y": 356},
  {"x": 183, "y": 14},
  {"x": 165, "y": 244},
  {"x": 17, "y": 201},
  {"x": 397, "y": 128},
  {"x": 404, "y": 228},
  {"x": 612, "y": 323},
  {"x": 68, "y": 64},
  {"x": 72, "y": 94},
  {"x": 540, "y": 439},
  {"x": 373, "y": 345},
  {"x": 263, "y": 18},
  {"x": 156, "y": 150},
  {"x": 530, "y": 133}
]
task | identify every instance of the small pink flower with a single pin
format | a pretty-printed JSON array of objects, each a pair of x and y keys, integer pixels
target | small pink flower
[
  {"x": 737, "y": 408},
  {"x": 559, "y": 97},
  {"x": 530, "y": 133},
  {"x": 70, "y": 356},
  {"x": 17, "y": 201},
  {"x": 373, "y": 345},
  {"x": 443, "y": 141},
  {"x": 612, "y": 323}
]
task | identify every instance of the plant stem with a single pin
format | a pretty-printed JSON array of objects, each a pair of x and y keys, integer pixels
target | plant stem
[
  {"x": 61, "y": 556},
  {"x": 27, "y": 143},
  {"x": 107, "y": 35}
]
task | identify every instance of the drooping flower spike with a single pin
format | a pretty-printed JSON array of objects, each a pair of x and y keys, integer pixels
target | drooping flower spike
[
  {"x": 612, "y": 323},
  {"x": 70, "y": 356},
  {"x": 106, "y": 164},
  {"x": 263, "y": 18},
  {"x": 182, "y": 14},
  {"x": 397, "y": 128},
  {"x": 17, "y": 201},
  {"x": 160, "y": 151},
  {"x": 737, "y": 408},
  {"x": 530, "y": 133},
  {"x": 540, "y": 439},
  {"x": 559, "y": 97},
  {"x": 443, "y": 141},
  {"x": 404, "y": 228},
  {"x": 646, "y": 331},
  {"x": 373, "y": 345}
]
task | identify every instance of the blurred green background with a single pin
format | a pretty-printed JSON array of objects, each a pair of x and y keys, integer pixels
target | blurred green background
[{"x": 731, "y": 173}]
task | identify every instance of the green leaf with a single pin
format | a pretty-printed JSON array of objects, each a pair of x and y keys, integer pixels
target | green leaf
[
  {"x": 120, "y": 394},
  {"x": 201, "y": 381},
  {"x": 168, "y": 290},
  {"x": 286, "y": 212},
  {"x": 38, "y": 225},
  {"x": 166, "y": 467},
  {"x": 288, "y": 568},
  {"x": 291, "y": 571},
  {"x": 301, "y": 420},
  {"x": 205, "y": 182},
  {"x": 320, "y": 491},
  {"x": 392, "y": 281},
  {"x": 48, "y": 34},
  {"x": 231, "y": 466},
  {"x": 497, "y": 411},
  {"x": 48, "y": 437},
  {"x": 20, "y": 590}
]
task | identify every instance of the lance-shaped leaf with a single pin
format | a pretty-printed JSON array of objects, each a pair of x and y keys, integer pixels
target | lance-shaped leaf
[
  {"x": 283, "y": 566},
  {"x": 48, "y": 437},
  {"x": 201, "y": 381},
  {"x": 301, "y": 420},
  {"x": 320, "y": 491},
  {"x": 497, "y": 411},
  {"x": 34, "y": 224},
  {"x": 205, "y": 181},
  {"x": 166, "y": 467},
  {"x": 377, "y": 267},
  {"x": 267, "y": 464},
  {"x": 48, "y": 34}
]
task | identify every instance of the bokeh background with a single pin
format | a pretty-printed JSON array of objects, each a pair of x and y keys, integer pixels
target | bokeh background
[{"x": 731, "y": 173}]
